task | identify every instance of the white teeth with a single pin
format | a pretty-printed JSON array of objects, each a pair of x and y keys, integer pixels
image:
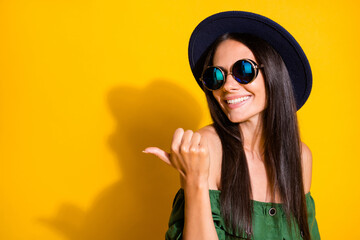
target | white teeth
[{"x": 237, "y": 100}]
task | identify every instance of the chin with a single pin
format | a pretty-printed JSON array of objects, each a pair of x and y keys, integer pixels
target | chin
[
  {"x": 236, "y": 119},
  {"x": 244, "y": 117}
]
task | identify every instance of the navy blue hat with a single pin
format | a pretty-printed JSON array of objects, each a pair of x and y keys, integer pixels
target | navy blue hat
[{"x": 281, "y": 40}]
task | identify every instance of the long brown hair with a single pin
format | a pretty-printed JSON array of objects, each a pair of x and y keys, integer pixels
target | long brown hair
[{"x": 282, "y": 155}]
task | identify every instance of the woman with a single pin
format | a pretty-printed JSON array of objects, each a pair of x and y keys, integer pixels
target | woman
[{"x": 247, "y": 175}]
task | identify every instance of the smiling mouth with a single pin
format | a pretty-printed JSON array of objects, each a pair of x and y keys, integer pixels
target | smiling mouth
[{"x": 237, "y": 100}]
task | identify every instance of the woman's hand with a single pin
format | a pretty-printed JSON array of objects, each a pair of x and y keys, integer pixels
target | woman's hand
[{"x": 189, "y": 155}]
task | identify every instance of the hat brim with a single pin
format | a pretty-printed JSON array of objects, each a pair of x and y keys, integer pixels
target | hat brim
[{"x": 245, "y": 22}]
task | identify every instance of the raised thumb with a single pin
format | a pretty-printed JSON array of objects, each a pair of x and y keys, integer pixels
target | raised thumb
[{"x": 158, "y": 153}]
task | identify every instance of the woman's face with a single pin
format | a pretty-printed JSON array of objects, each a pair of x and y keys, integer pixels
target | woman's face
[{"x": 252, "y": 96}]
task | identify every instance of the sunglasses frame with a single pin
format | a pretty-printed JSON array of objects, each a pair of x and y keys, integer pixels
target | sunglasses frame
[{"x": 225, "y": 74}]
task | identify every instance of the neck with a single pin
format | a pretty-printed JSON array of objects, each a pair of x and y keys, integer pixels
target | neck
[{"x": 253, "y": 136}]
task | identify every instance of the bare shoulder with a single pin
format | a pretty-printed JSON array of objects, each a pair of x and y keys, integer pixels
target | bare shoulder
[
  {"x": 306, "y": 162},
  {"x": 215, "y": 152},
  {"x": 212, "y": 138},
  {"x": 209, "y": 132}
]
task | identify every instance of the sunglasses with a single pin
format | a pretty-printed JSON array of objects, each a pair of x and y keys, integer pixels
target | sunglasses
[{"x": 244, "y": 71}]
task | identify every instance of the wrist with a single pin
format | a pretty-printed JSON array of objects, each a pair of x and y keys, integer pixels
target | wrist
[{"x": 196, "y": 184}]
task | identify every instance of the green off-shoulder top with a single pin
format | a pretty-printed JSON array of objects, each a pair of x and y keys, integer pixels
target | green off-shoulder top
[{"x": 269, "y": 220}]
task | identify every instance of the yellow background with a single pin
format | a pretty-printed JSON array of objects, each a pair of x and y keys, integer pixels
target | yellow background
[{"x": 86, "y": 85}]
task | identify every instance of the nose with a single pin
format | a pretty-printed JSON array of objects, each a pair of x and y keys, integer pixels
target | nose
[{"x": 230, "y": 84}]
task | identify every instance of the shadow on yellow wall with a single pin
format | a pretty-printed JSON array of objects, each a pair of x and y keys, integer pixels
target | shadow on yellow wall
[{"x": 138, "y": 205}]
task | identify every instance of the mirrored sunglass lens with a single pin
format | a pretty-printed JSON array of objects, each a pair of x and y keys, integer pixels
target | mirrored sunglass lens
[
  {"x": 213, "y": 78},
  {"x": 243, "y": 71}
]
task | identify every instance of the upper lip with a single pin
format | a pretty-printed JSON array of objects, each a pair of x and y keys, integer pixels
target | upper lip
[{"x": 235, "y": 97}]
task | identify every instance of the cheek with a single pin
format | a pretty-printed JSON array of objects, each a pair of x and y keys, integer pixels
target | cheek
[
  {"x": 217, "y": 97},
  {"x": 259, "y": 89},
  {"x": 263, "y": 95},
  {"x": 265, "y": 99}
]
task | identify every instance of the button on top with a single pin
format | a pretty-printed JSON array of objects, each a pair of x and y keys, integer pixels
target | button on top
[{"x": 272, "y": 211}]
